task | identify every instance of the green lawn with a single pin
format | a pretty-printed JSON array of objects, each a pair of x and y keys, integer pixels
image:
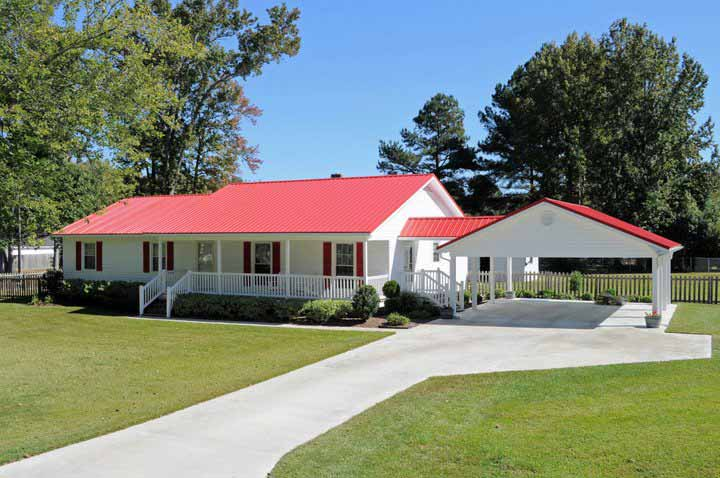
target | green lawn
[
  {"x": 644, "y": 420},
  {"x": 67, "y": 375}
]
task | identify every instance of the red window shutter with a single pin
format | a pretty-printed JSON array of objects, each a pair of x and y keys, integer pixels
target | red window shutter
[
  {"x": 327, "y": 258},
  {"x": 247, "y": 265},
  {"x": 170, "y": 263},
  {"x": 78, "y": 255},
  {"x": 275, "y": 257},
  {"x": 98, "y": 256},
  {"x": 146, "y": 256},
  {"x": 359, "y": 258}
]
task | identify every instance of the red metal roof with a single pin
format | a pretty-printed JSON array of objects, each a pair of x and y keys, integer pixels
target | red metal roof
[
  {"x": 337, "y": 205},
  {"x": 593, "y": 214},
  {"x": 444, "y": 227}
]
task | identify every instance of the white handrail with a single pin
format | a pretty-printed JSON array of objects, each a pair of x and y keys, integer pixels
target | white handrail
[
  {"x": 152, "y": 290},
  {"x": 182, "y": 286}
]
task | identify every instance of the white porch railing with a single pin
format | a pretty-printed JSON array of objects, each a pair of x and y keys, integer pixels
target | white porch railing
[
  {"x": 181, "y": 286},
  {"x": 152, "y": 290},
  {"x": 434, "y": 284},
  {"x": 292, "y": 286}
]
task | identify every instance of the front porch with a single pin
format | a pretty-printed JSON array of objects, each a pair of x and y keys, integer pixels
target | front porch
[{"x": 299, "y": 268}]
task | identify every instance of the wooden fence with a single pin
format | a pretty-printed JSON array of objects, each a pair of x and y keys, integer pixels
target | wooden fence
[
  {"x": 699, "y": 288},
  {"x": 13, "y": 286}
]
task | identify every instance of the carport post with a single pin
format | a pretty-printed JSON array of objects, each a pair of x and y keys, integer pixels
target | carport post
[
  {"x": 452, "y": 287},
  {"x": 492, "y": 279},
  {"x": 475, "y": 261},
  {"x": 509, "y": 293},
  {"x": 655, "y": 286}
]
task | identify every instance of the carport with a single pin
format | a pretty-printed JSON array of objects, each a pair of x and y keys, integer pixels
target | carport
[{"x": 552, "y": 228}]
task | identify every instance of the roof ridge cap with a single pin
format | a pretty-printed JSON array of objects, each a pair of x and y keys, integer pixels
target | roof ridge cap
[{"x": 377, "y": 176}]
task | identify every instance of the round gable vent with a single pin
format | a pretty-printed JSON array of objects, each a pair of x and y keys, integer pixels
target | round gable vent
[{"x": 547, "y": 218}]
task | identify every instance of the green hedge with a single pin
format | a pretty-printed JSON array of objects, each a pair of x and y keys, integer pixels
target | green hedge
[
  {"x": 413, "y": 305},
  {"x": 323, "y": 310},
  {"x": 232, "y": 307},
  {"x": 118, "y": 295}
]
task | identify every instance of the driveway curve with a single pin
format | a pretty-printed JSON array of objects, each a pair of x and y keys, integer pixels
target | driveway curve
[{"x": 244, "y": 433}]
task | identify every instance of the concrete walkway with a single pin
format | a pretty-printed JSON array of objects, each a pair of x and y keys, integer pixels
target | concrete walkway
[{"x": 244, "y": 433}]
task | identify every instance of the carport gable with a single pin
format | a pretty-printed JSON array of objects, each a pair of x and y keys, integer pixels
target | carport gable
[{"x": 550, "y": 228}]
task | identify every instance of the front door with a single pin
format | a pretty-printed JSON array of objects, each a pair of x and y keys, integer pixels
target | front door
[{"x": 409, "y": 266}]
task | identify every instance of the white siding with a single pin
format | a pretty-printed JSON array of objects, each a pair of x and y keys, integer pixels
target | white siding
[
  {"x": 566, "y": 235},
  {"x": 122, "y": 260},
  {"x": 425, "y": 203},
  {"x": 306, "y": 257}
]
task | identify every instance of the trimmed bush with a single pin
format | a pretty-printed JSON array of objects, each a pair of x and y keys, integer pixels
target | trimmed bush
[
  {"x": 322, "y": 311},
  {"x": 526, "y": 294},
  {"x": 545, "y": 294},
  {"x": 366, "y": 301},
  {"x": 229, "y": 307},
  {"x": 397, "y": 320},
  {"x": 391, "y": 289},
  {"x": 576, "y": 282},
  {"x": 586, "y": 296},
  {"x": 118, "y": 295},
  {"x": 467, "y": 295},
  {"x": 412, "y": 304}
]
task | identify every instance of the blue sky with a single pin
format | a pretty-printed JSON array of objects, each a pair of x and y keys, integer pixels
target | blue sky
[{"x": 365, "y": 68}]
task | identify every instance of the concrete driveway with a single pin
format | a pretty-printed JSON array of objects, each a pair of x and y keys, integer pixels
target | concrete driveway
[{"x": 244, "y": 433}]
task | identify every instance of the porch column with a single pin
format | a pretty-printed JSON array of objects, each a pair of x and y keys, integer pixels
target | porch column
[
  {"x": 509, "y": 293},
  {"x": 661, "y": 277},
  {"x": 668, "y": 281},
  {"x": 218, "y": 247},
  {"x": 160, "y": 256},
  {"x": 452, "y": 288},
  {"x": 365, "y": 262},
  {"x": 286, "y": 267},
  {"x": 492, "y": 279},
  {"x": 475, "y": 270},
  {"x": 655, "y": 286}
]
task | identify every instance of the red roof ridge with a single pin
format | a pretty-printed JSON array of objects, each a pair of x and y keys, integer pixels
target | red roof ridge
[
  {"x": 453, "y": 218},
  {"x": 166, "y": 196},
  {"x": 377, "y": 176}
]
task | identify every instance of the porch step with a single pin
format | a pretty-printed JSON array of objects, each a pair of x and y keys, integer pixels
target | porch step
[{"x": 157, "y": 308}]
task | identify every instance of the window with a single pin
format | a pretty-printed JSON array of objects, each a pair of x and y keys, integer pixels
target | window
[
  {"x": 263, "y": 257},
  {"x": 409, "y": 259},
  {"x": 436, "y": 253},
  {"x": 344, "y": 260},
  {"x": 206, "y": 257},
  {"x": 89, "y": 255},
  {"x": 156, "y": 254}
]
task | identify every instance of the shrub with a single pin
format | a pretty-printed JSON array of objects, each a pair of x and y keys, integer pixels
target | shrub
[
  {"x": 586, "y": 296},
  {"x": 525, "y": 294},
  {"x": 576, "y": 282},
  {"x": 391, "y": 289},
  {"x": 227, "y": 307},
  {"x": 397, "y": 320},
  {"x": 117, "y": 295},
  {"x": 609, "y": 299},
  {"x": 612, "y": 292},
  {"x": 366, "y": 301},
  {"x": 467, "y": 295},
  {"x": 412, "y": 304},
  {"x": 322, "y": 311},
  {"x": 545, "y": 294}
]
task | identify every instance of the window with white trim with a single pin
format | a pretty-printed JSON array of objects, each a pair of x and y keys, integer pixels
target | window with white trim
[
  {"x": 409, "y": 259},
  {"x": 206, "y": 256},
  {"x": 344, "y": 260},
  {"x": 436, "y": 253},
  {"x": 263, "y": 257},
  {"x": 157, "y": 253},
  {"x": 89, "y": 256}
]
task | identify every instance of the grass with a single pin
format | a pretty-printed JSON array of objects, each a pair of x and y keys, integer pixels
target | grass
[
  {"x": 67, "y": 374},
  {"x": 642, "y": 420}
]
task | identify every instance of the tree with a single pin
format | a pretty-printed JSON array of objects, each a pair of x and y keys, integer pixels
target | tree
[
  {"x": 194, "y": 143},
  {"x": 437, "y": 144},
  {"x": 73, "y": 86},
  {"x": 610, "y": 123}
]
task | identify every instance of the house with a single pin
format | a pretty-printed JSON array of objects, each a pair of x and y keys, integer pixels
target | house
[
  {"x": 315, "y": 238},
  {"x": 34, "y": 258}
]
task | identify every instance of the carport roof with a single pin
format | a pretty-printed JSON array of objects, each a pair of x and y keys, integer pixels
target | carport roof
[
  {"x": 444, "y": 227},
  {"x": 588, "y": 213}
]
